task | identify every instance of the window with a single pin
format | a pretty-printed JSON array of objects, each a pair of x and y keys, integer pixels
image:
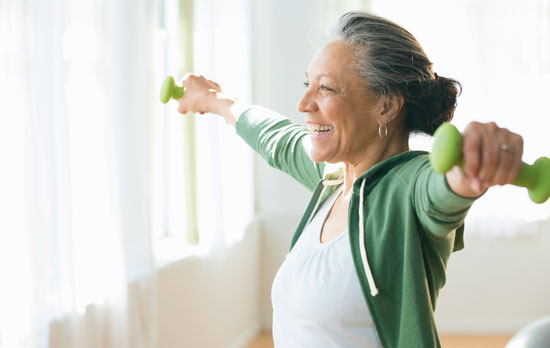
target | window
[
  {"x": 174, "y": 183},
  {"x": 202, "y": 172}
]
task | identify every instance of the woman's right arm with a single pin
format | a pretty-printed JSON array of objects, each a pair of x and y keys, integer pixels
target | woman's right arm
[{"x": 281, "y": 142}]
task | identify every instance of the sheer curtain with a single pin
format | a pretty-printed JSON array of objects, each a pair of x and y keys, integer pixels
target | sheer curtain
[
  {"x": 75, "y": 104},
  {"x": 93, "y": 164},
  {"x": 500, "y": 51},
  {"x": 222, "y": 36}
]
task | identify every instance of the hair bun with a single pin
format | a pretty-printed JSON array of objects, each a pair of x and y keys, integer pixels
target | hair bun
[{"x": 434, "y": 106}]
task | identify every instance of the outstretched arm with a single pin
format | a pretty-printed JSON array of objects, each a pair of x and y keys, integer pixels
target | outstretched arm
[{"x": 281, "y": 142}]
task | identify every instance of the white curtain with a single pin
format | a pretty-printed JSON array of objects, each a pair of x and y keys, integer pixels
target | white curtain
[
  {"x": 222, "y": 37},
  {"x": 93, "y": 164},
  {"x": 76, "y": 94},
  {"x": 500, "y": 51}
]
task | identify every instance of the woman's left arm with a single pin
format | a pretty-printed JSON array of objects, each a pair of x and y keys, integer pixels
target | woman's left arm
[{"x": 492, "y": 156}]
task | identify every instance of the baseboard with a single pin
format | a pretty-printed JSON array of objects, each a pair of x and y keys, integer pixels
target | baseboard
[{"x": 246, "y": 338}]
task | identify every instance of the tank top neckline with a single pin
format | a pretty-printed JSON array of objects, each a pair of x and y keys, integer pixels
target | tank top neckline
[{"x": 318, "y": 242}]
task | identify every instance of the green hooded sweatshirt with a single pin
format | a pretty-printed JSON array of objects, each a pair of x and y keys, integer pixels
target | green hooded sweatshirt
[{"x": 404, "y": 222}]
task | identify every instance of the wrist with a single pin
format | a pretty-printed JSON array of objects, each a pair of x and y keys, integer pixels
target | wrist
[
  {"x": 232, "y": 109},
  {"x": 461, "y": 185},
  {"x": 223, "y": 106}
]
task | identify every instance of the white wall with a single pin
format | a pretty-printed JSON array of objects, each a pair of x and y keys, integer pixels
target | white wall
[
  {"x": 497, "y": 284},
  {"x": 281, "y": 49},
  {"x": 213, "y": 301}
]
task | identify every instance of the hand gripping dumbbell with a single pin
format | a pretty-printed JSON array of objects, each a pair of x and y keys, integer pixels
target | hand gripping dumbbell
[{"x": 447, "y": 152}]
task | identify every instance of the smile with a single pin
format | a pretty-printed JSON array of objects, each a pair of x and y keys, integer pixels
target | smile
[{"x": 318, "y": 129}]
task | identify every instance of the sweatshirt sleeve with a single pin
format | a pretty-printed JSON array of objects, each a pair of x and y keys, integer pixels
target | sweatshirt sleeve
[
  {"x": 439, "y": 209},
  {"x": 281, "y": 142}
]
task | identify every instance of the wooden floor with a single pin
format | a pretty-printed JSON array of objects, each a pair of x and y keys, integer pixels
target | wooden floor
[{"x": 265, "y": 340}]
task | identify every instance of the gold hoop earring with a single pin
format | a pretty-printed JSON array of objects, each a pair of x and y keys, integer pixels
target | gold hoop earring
[{"x": 382, "y": 132}]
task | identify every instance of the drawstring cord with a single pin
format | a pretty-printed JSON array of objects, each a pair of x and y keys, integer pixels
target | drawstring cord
[{"x": 364, "y": 259}]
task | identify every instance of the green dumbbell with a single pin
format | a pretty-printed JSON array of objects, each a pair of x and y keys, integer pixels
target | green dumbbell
[
  {"x": 169, "y": 90},
  {"x": 447, "y": 152}
]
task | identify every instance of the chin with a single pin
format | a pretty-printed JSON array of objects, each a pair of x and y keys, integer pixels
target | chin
[
  {"x": 320, "y": 157},
  {"x": 316, "y": 159}
]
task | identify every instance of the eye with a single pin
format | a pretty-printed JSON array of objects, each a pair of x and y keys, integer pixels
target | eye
[
  {"x": 306, "y": 84},
  {"x": 326, "y": 88}
]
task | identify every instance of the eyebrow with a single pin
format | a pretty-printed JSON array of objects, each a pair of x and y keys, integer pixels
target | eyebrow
[{"x": 321, "y": 75}]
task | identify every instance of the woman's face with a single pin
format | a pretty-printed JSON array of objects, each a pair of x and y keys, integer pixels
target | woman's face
[{"x": 341, "y": 113}]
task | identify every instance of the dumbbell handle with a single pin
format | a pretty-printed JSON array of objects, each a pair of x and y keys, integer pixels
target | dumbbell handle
[
  {"x": 169, "y": 90},
  {"x": 447, "y": 152}
]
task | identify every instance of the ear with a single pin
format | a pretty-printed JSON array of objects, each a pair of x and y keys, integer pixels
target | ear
[{"x": 390, "y": 107}]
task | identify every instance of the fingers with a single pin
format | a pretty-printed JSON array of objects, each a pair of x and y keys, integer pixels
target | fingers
[
  {"x": 199, "y": 94},
  {"x": 183, "y": 103},
  {"x": 503, "y": 152},
  {"x": 505, "y": 159},
  {"x": 214, "y": 85},
  {"x": 514, "y": 155},
  {"x": 199, "y": 81},
  {"x": 471, "y": 149},
  {"x": 492, "y": 155}
]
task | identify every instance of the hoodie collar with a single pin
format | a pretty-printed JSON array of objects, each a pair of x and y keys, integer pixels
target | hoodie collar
[
  {"x": 381, "y": 168},
  {"x": 333, "y": 173},
  {"x": 334, "y": 178}
]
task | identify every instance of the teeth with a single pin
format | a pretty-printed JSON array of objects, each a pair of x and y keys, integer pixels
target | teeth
[{"x": 319, "y": 128}]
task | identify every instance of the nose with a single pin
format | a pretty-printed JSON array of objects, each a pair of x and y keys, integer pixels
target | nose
[{"x": 307, "y": 103}]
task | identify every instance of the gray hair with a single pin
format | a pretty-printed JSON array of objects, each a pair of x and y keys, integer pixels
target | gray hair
[{"x": 391, "y": 61}]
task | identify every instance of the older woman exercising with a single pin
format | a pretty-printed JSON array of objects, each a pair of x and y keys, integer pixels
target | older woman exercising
[{"x": 368, "y": 258}]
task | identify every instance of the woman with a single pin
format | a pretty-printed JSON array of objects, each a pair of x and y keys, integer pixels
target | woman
[{"x": 367, "y": 89}]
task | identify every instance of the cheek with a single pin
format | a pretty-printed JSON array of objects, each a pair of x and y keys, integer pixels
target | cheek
[
  {"x": 345, "y": 125},
  {"x": 335, "y": 113},
  {"x": 349, "y": 120},
  {"x": 353, "y": 131}
]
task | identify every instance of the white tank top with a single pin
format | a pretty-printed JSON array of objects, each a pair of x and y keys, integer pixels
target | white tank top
[{"x": 316, "y": 296}]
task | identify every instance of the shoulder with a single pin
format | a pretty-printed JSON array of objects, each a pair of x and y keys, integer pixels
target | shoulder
[
  {"x": 408, "y": 170},
  {"x": 416, "y": 158}
]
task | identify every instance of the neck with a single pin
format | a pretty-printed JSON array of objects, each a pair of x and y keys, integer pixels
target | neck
[{"x": 383, "y": 150}]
